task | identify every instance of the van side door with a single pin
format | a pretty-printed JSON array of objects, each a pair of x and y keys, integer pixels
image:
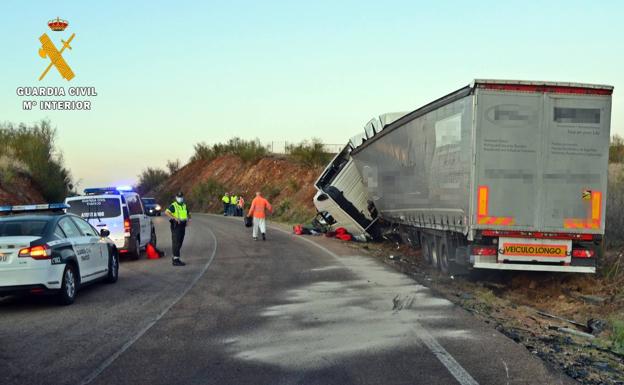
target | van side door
[{"x": 138, "y": 218}]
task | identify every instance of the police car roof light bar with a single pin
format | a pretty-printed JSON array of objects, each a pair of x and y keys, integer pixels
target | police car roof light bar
[
  {"x": 34, "y": 208},
  {"x": 107, "y": 190}
]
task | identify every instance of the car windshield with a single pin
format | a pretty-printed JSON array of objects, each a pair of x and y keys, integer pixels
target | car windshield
[
  {"x": 149, "y": 201},
  {"x": 22, "y": 227},
  {"x": 91, "y": 207}
]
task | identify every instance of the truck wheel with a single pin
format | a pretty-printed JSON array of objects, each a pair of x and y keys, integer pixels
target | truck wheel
[
  {"x": 426, "y": 248},
  {"x": 435, "y": 252},
  {"x": 444, "y": 257}
]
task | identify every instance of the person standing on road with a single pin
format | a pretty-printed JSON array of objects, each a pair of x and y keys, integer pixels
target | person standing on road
[
  {"x": 233, "y": 204},
  {"x": 241, "y": 206},
  {"x": 226, "y": 204},
  {"x": 258, "y": 209},
  {"x": 179, "y": 217}
]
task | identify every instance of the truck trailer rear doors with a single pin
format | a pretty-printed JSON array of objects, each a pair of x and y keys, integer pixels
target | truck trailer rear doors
[{"x": 541, "y": 161}]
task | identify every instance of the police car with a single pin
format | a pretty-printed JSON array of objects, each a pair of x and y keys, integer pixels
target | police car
[
  {"x": 120, "y": 211},
  {"x": 45, "y": 250}
]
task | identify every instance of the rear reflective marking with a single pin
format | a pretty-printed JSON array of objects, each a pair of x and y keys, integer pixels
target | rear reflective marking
[
  {"x": 482, "y": 211},
  {"x": 483, "y": 197},
  {"x": 594, "y": 217}
]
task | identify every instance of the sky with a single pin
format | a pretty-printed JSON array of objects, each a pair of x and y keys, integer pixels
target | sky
[{"x": 170, "y": 74}]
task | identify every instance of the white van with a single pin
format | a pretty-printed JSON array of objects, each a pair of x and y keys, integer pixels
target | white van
[{"x": 121, "y": 212}]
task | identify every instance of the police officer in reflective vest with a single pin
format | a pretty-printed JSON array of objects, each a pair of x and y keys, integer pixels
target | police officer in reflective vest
[{"x": 179, "y": 219}]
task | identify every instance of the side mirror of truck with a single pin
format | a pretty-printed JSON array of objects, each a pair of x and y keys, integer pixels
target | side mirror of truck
[{"x": 104, "y": 233}]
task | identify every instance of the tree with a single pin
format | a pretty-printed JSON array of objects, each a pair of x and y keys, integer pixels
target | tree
[
  {"x": 616, "y": 149},
  {"x": 150, "y": 179},
  {"x": 173, "y": 166}
]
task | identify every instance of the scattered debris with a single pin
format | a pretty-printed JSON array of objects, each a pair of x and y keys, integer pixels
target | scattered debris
[
  {"x": 466, "y": 296},
  {"x": 593, "y": 299},
  {"x": 596, "y": 326},
  {"x": 573, "y": 332},
  {"x": 544, "y": 314}
]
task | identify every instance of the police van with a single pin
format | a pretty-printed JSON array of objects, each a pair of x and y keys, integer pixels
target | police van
[
  {"x": 121, "y": 212},
  {"x": 45, "y": 250}
]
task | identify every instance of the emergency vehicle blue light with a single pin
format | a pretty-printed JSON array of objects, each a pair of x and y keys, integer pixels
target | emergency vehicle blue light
[
  {"x": 59, "y": 206},
  {"x": 40, "y": 207},
  {"x": 125, "y": 188},
  {"x": 100, "y": 190}
]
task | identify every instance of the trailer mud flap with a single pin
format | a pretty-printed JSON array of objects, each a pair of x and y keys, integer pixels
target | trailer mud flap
[{"x": 460, "y": 263}]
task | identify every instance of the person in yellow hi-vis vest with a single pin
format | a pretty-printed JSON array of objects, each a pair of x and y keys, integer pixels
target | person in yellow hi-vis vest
[
  {"x": 179, "y": 217},
  {"x": 226, "y": 203},
  {"x": 233, "y": 204}
]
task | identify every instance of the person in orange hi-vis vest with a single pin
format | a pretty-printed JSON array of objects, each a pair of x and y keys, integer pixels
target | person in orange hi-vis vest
[
  {"x": 241, "y": 206},
  {"x": 258, "y": 209}
]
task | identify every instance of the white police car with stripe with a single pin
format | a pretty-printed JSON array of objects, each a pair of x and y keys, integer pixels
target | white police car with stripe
[{"x": 44, "y": 250}]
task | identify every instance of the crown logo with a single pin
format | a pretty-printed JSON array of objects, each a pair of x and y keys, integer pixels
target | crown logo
[{"x": 58, "y": 24}]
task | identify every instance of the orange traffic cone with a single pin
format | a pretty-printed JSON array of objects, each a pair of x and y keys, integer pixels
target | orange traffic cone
[{"x": 151, "y": 252}]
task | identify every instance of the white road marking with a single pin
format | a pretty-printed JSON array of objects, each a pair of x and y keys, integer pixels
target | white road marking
[
  {"x": 461, "y": 375},
  {"x": 147, "y": 327}
]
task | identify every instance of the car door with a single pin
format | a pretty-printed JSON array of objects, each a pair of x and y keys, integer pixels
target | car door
[
  {"x": 135, "y": 208},
  {"x": 81, "y": 246},
  {"x": 94, "y": 243}
]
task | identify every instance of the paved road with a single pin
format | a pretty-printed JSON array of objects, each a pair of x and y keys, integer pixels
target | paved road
[{"x": 286, "y": 311}]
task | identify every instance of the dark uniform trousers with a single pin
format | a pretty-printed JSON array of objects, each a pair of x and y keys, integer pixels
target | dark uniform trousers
[{"x": 177, "y": 236}]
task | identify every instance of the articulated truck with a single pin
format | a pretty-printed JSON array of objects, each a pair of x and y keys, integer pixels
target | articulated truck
[{"x": 497, "y": 175}]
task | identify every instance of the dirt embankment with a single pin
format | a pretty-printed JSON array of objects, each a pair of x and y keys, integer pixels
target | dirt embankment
[
  {"x": 19, "y": 190},
  {"x": 288, "y": 186}
]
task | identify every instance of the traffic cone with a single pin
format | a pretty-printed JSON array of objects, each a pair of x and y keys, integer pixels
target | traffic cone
[{"x": 151, "y": 252}]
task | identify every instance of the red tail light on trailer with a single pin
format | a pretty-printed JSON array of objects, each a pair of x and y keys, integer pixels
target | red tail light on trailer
[
  {"x": 484, "y": 250},
  {"x": 583, "y": 253}
]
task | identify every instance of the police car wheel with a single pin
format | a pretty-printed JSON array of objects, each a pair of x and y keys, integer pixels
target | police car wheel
[
  {"x": 153, "y": 239},
  {"x": 113, "y": 267},
  {"x": 67, "y": 294},
  {"x": 135, "y": 249}
]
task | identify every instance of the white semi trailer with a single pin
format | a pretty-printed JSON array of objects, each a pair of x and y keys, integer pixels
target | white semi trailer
[{"x": 497, "y": 175}]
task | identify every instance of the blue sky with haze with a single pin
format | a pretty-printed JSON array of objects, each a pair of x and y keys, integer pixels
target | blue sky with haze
[{"x": 173, "y": 73}]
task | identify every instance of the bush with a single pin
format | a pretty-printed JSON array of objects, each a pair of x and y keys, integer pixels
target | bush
[
  {"x": 150, "y": 179},
  {"x": 271, "y": 192},
  {"x": 247, "y": 150},
  {"x": 205, "y": 194},
  {"x": 616, "y": 149},
  {"x": 30, "y": 150},
  {"x": 615, "y": 206},
  {"x": 617, "y": 334},
  {"x": 293, "y": 184},
  {"x": 173, "y": 166},
  {"x": 287, "y": 212},
  {"x": 309, "y": 153}
]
